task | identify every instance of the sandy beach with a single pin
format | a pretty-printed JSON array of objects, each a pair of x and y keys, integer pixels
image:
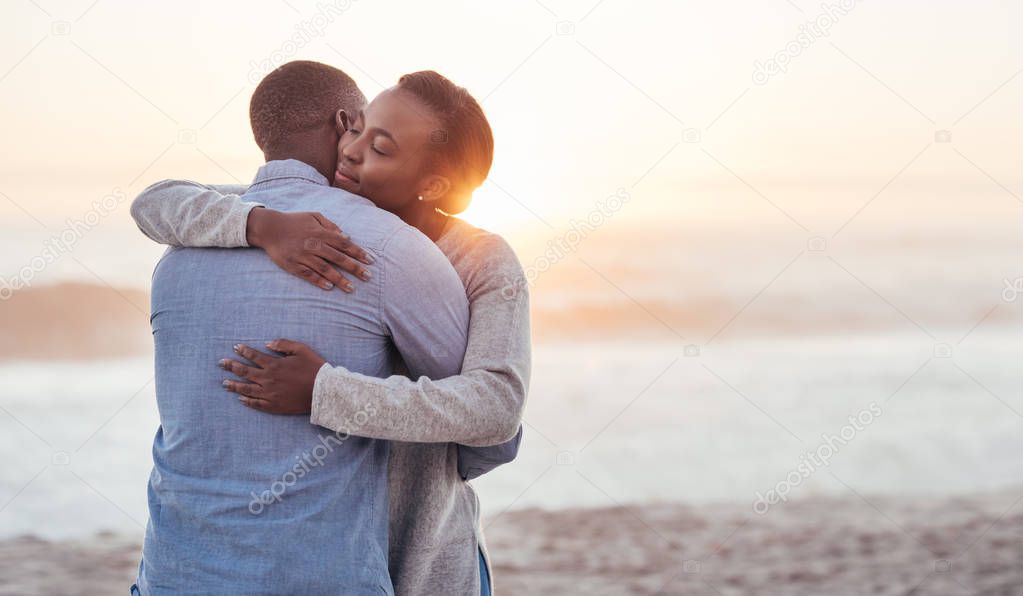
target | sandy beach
[{"x": 828, "y": 546}]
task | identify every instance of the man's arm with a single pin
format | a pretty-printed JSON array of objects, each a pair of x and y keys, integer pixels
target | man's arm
[
  {"x": 423, "y": 305},
  {"x": 482, "y": 406},
  {"x": 184, "y": 213},
  {"x": 474, "y": 462}
]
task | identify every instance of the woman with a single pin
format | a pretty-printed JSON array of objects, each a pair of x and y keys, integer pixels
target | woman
[{"x": 418, "y": 150}]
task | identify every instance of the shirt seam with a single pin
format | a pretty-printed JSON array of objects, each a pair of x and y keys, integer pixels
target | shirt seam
[
  {"x": 383, "y": 279},
  {"x": 286, "y": 177}
]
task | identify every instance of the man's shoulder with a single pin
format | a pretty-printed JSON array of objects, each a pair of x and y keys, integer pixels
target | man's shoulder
[
  {"x": 408, "y": 254},
  {"x": 367, "y": 224},
  {"x": 408, "y": 241}
]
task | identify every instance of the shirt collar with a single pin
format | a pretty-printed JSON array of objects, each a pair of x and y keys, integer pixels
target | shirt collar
[{"x": 280, "y": 169}]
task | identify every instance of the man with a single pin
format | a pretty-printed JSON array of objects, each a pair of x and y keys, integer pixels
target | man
[{"x": 243, "y": 502}]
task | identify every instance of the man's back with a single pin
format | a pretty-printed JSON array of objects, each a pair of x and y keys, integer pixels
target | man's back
[{"x": 247, "y": 502}]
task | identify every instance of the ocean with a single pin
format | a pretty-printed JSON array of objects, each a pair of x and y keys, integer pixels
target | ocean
[{"x": 607, "y": 423}]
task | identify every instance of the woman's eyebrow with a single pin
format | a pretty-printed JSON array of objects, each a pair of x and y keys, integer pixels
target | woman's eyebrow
[
  {"x": 377, "y": 129},
  {"x": 384, "y": 133}
]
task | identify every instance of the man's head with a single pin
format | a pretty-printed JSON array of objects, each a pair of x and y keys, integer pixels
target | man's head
[{"x": 299, "y": 110}]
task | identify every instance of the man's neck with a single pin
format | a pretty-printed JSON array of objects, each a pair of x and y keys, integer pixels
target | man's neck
[
  {"x": 309, "y": 160},
  {"x": 308, "y": 148}
]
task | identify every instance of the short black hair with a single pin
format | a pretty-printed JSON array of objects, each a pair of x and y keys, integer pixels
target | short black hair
[
  {"x": 297, "y": 97},
  {"x": 463, "y": 147}
]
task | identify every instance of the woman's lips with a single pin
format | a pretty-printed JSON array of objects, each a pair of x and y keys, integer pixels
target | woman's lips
[{"x": 341, "y": 178}]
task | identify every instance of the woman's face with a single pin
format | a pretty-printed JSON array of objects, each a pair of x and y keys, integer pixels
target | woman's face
[{"x": 383, "y": 154}]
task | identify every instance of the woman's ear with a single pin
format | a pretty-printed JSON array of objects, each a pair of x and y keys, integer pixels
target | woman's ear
[
  {"x": 341, "y": 121},
  {"x": 434, "y": 188}
]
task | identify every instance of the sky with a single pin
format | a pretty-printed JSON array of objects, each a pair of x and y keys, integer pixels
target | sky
[{"x": 677, "y": 104}]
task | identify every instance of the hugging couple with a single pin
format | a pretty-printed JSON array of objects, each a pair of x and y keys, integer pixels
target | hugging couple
[{"x": 369, "y": 373}]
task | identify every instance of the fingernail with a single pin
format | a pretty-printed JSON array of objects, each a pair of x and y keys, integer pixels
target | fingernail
[
  {"x": 366, "y": 275},
  {"x": 328, "y": 286},
  {"x": 270, "y": 344},
  {"x": 223, "y": 363},
  {"x": 237, "y": 347},
  {"x": 226, "y": 383},
  {"x": 368, "y": 259}
]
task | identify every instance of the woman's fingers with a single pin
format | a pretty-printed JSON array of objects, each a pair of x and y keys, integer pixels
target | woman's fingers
[
  {"x": 326, "y": 222},
  {"x": 333, "y": 236},
  {"x": 287, "y": 346},
  {"x": 262, "y": 360},
  {"x": 300, "y": 270},
  {"x": 256, "y": 404},
  {"x": 345, "y": 262},
  {"x": 319, "y": 273},
  {"x": 340, "y": 241},
  {"x": 250, "y": 390},
  {"x": 326, "y": 271},
  {"x": 246, "y": 372}
]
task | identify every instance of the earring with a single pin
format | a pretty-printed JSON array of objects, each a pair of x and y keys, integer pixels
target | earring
[{"x": 420, "y": 197}]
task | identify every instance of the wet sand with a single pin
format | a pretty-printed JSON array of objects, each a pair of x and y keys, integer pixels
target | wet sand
[{"x": 828, "y": 546}]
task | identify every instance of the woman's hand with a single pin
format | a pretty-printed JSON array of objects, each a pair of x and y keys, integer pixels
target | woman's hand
[
  {"x": 307, "y": 245},
  {"x": 276, "y": 385}
]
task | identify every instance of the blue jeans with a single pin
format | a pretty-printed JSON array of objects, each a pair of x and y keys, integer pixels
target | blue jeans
[{"x": 484, "y": 577}]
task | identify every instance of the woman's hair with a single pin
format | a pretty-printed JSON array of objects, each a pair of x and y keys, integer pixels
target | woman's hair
[{"x": 463, "y": 146}]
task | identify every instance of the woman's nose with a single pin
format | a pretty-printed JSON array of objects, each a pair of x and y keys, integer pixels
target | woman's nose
[{"x": 349, "y": 153}]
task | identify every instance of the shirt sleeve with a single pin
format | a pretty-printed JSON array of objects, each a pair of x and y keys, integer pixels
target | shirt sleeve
[
  {"x": 474, "y": 462},
  {"x": 481, "y": 406},
  {"x": 184, "y": 213}
]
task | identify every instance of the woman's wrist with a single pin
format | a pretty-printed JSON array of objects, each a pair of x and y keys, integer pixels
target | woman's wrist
[{"x": 256, "y": 227}]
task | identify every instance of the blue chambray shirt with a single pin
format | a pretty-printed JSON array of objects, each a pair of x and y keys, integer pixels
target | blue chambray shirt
[{"x": 246, "y": 502}]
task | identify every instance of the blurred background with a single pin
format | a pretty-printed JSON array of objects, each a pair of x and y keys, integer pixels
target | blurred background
[{"x": 749, "y": 227}]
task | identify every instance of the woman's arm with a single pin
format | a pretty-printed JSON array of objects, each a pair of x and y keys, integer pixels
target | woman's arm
[
  {"x": 184, "y": 213},
  {"x": 480, "y": 407},
  {"x": 308, "y": 245}
]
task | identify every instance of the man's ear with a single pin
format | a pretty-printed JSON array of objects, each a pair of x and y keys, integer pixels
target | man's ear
[
  {"x": 434, "y": 187},
  {"x": 341, "y": 121}
]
